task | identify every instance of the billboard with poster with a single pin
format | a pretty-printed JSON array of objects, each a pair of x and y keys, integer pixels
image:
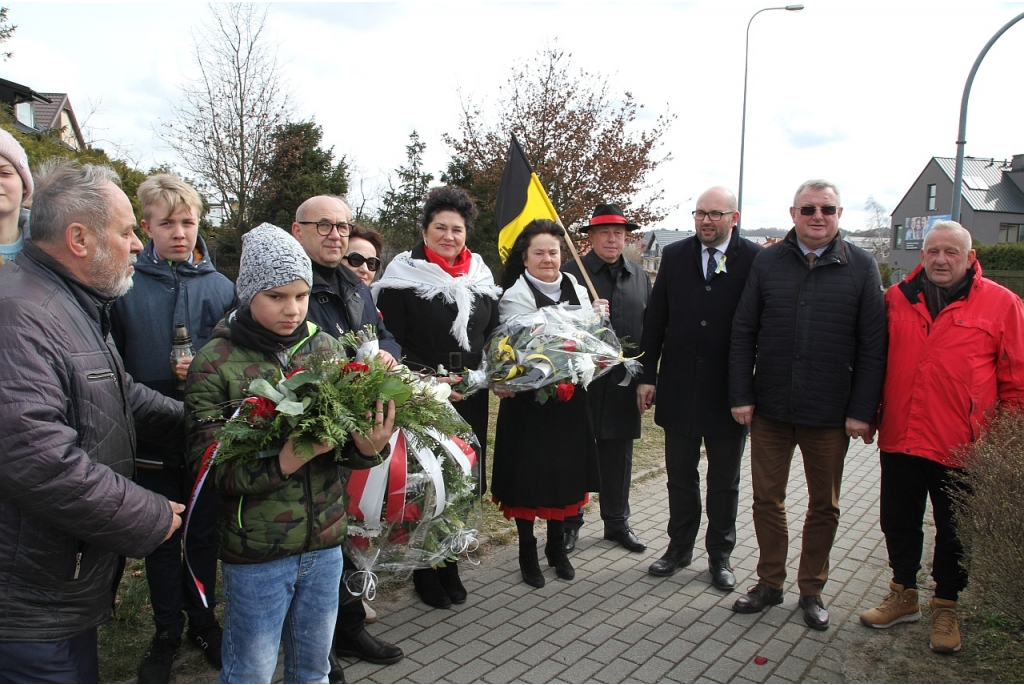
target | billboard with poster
[{"x": 915, "y": 228}]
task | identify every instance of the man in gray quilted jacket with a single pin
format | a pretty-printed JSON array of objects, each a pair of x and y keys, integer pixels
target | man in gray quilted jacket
[{"x": 69, "y": 511}]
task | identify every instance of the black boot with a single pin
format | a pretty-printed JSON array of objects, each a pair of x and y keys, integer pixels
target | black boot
[
  {"x": 449, "y": 577},
  {"x": 529, "y": 565},
  {"x": 558, "y": 559},
  {"x": 428, "y": 587},
  {"x": 554, "y": 550}
]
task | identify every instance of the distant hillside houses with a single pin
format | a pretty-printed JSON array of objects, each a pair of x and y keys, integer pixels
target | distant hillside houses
[{"x": 656, "y": 240}]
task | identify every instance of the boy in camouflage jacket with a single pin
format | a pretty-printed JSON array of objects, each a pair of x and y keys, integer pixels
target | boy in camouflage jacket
[{"x": 281, "y": 519}]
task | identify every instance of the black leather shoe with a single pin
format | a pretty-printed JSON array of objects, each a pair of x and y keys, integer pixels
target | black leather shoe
[
  {"x": 757, "y": 599},
  {"x": 673, "y": 560},
  {"x": 428, "y": 587},
  {"x": 368, "y": 648},
  {"x": 448, "y": 575},
  {"x": 815, "y": 615},
  {"x": 337, "y": 672},
  {"x": 721, "y": 575},
  {"x": 626, "y": 538},
  {"x": 569, "y": 538}
]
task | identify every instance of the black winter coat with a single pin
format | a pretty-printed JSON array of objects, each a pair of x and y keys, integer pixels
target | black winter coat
[
  {"x": 349, "y": 310},
  {"x": 613, "y": 408},
  {"x": 816, "y": 336},
  {"x": 688, "y": 327},
  {"x": 68, "y": 509}
]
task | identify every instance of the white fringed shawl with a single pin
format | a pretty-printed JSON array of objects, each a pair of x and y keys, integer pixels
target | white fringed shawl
[{"x": 429, "y": 280}]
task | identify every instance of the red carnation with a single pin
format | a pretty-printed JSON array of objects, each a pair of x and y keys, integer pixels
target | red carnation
[
  {"x": 262, "y": 408},
  {"x": 569, "y": 345},
  {"x": 359, "y": 542},
  {"x": 565, "y": 391},
  {"x": 411, "y": 513},
  {"x": 355, "y": 367}
]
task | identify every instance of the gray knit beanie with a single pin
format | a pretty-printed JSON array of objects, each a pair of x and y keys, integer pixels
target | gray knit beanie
[
  {"x": 270, "y": 258},
  {"x": 15, "y": 154}
]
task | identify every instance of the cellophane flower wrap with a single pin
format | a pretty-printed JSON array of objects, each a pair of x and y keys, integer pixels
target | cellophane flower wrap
[
  {"x": 551, "y": 351},
  {"x": 418, "y": 509}
]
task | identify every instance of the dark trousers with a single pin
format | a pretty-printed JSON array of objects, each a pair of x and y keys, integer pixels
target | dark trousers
[
  {"x": 351, "y": 615},
  {"x": 772, "y": 444},
  {"x": 171, "y": 589},
  {"x": 74, "y": 660},
  {"x": 682, "y": 461},
  {"x": 907, "y": 483},
  {"x": 615, "y": 461}
]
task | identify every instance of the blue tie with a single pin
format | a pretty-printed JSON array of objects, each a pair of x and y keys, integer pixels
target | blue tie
[{"x": 712, "y": 263}]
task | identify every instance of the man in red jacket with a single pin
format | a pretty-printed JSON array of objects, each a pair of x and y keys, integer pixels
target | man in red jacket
[{"x": 956, "y": 347}]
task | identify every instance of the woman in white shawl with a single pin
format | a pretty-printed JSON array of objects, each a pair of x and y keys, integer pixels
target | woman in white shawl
[{"x": 441, "y": 303}]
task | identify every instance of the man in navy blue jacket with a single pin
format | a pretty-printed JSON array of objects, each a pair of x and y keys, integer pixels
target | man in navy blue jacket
[
  {"x": 339, "y": 302},
  {"x": 687, "y": 326},
  {"x": 175, "y": 283}
]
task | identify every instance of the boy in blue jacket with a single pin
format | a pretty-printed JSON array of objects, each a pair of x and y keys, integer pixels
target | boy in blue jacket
[{"x": 175, "y": 283}]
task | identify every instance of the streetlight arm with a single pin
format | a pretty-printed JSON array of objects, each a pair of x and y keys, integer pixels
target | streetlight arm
[{"x": 961, "y": 136}]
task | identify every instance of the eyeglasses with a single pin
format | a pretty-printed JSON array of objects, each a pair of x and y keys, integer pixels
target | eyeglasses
[
  {"x": 324, "y": 228},
  {"x": 827, "y": 210},
  {"x": 713, "y": 215},
  {"x": 357, "y": 260}
]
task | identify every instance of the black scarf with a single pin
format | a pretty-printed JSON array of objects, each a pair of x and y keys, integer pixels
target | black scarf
[
  {"x": 937, "y": 298},
  {"x": 246, "y": 332}
]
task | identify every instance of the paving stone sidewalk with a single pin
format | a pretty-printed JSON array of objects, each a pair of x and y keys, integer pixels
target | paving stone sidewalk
[{"x": 616, "y": 624}]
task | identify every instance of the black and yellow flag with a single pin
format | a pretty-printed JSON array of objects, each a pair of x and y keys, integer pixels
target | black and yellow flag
[{"x": 521, "y": 199}]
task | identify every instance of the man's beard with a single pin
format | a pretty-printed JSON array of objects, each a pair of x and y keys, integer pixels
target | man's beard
[{"x": 108, "y": 275}]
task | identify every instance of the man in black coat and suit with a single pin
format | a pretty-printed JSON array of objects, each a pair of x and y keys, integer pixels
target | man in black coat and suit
[
  {"x": 613, "y": 410},
  {"x": 688, "y": 324}
]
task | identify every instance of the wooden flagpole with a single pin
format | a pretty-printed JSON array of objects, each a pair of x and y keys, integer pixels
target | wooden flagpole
[{"x": 579, "y": 262}]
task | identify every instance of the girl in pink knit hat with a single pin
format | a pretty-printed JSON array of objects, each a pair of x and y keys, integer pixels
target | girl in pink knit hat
[{"x": 15, "y": 192}]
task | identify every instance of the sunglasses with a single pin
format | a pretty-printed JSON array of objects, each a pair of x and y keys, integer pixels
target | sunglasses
[
  {"x": 827, "y": 210},
  {"x": 357, "y": 260}
]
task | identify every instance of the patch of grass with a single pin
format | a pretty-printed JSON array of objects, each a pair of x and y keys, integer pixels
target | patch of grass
[{"x": 992, "y": 652}]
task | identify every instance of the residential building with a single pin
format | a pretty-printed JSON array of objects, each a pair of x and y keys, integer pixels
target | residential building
[
  {"x": 36, "y": 112},
  {"x": 992, "y": 206},
  {"x": 655, "y": 241}
]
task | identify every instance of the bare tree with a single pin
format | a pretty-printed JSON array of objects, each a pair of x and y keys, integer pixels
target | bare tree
[
  {"x": 583, "y": 143},
  {"x": 878, "y": 229},
  {"x": 223, "y": 125}
]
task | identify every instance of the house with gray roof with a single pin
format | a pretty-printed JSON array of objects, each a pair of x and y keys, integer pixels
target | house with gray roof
[
  {"x": 992, "y": 208},
  {"x": 37, "y": 112},
  {"x": 654, "y": 242}
]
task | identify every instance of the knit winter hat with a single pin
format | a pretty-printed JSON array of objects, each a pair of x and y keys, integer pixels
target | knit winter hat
[
  {"x": 15, "y": 154},
  {"x": 270, "y": 258}
]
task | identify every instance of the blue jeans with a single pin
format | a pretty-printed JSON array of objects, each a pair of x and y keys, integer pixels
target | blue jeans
[{"x": 294, "y": 599}]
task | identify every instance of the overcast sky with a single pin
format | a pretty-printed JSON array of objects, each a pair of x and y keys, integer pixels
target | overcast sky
[{"x": 861, "y": 94}]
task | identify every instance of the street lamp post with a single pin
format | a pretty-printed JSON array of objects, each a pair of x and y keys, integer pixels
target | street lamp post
[
  {"x": 961, "y": 135},
  {"x": 743, "y": 128}
]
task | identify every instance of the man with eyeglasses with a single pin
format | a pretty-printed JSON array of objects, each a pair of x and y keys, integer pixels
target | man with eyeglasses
[
  {"x": 811, "y": 320},
  {"x": 687, "y": 327},
  {"x": 340, "y": 302}
]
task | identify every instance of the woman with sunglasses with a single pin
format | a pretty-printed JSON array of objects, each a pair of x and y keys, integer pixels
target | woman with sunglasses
[
  {"x": 441, "y": 302},
  {"x": 364, "y": 248}
]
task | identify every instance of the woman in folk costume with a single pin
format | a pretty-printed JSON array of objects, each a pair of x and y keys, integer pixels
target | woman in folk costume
[
  {"x": 441, "y": 303},
  {"x": 545, "y": 455}
]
